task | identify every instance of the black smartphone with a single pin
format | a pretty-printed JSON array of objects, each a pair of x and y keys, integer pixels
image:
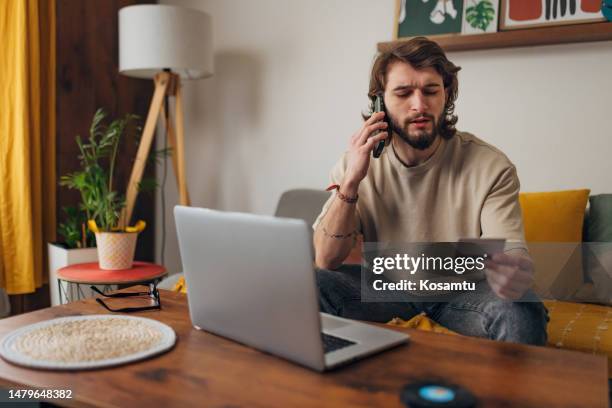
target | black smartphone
[{"x": 379, "y": 106}]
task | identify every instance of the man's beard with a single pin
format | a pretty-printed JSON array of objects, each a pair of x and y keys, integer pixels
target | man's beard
[{"x": 419, "y": 139}]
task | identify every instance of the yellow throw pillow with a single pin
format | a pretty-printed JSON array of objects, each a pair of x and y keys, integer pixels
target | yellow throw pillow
[
  {"x": 553, "y": 229},
  {"x": 555, "y": 216}
]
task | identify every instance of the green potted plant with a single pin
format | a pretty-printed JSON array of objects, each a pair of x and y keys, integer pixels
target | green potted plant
[{"x": 100, "y": 203}]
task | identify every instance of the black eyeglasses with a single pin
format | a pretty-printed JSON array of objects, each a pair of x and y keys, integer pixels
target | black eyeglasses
[{"x": 152, "y": 293}]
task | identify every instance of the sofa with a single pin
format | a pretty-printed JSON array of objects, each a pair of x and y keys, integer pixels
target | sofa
[{"x": 572, "y": 272}]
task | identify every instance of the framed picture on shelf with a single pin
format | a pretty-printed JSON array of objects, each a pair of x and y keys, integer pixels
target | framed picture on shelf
[
  {"x": 458, "y": 25},
  {"x": 427, "y": 17},
  {"x": 517, "y": 14},
  {"x": 480, "y": 16}
]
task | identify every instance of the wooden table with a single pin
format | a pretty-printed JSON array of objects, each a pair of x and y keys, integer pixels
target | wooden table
[{"x": 207, "y": 370}]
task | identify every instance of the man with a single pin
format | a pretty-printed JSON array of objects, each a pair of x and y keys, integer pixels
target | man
[{"x": 430, "y": 184}]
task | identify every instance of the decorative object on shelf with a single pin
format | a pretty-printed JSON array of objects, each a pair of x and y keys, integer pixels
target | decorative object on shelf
[
  {"x": 480, "y": 16},
  {"x": 516, "y": 14},
  {"x": 167, "y": 44},
  {"x": 86, "y": 342},
  {"x": 428, "y": 17},
  {"x": 527, "y": 18}
]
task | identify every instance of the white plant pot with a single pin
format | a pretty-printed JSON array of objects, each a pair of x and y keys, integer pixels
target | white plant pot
[{"x": 60, "y": 257}]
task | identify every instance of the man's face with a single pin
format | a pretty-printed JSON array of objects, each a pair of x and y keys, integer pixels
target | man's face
[{"x": 415, "y": 102}]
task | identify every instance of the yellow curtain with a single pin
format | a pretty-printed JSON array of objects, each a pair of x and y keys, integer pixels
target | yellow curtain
[{"x": 27, "y": 142}]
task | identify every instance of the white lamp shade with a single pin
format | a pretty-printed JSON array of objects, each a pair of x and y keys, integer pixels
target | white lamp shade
[{"x": 154, "y": 37}]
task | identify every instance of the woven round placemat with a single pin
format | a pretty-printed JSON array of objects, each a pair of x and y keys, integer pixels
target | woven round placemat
[{"x": 86, "y": 342}]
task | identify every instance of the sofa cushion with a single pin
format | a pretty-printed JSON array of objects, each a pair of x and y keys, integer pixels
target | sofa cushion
[
  {"x": 581, "y": 327},
  {"x": 599, "y": 219},
  {"x": 553, "y": 230},
  {"x": 597, "y": 251},
  {"x": 572, "y": 326},
  {"x": 555, "y": 216}
]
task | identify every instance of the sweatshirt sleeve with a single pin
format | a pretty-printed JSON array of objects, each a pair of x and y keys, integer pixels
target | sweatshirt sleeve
[{"x": 501, "y": 212}]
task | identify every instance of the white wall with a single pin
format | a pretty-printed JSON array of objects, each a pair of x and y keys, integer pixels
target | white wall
[
  {"x": 290, "y": 82},
  {"x": 547, "y": 108}
]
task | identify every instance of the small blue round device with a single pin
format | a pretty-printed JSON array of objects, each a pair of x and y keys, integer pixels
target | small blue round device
[{"x": 434, "y": 394}]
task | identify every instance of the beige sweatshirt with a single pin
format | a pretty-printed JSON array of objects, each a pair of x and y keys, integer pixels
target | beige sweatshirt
[{"x": 466, "y": 189}]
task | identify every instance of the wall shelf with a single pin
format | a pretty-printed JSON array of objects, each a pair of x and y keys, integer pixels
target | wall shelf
[{"x": 519, "y": 38}]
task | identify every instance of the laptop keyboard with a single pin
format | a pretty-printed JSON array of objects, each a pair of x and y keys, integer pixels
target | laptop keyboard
[{"x": 333, "y": 343}]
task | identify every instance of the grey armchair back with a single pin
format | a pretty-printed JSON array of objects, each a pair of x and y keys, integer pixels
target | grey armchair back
[{"x": 301, "y": 203}]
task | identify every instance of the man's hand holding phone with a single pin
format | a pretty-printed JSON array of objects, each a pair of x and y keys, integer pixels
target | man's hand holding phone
[
  {"x": 331, "y": 243},
  {"x": 361, "y": 145}
]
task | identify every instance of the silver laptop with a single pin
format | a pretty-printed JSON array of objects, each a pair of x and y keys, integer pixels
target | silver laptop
[{"x": 251, "y": 278}]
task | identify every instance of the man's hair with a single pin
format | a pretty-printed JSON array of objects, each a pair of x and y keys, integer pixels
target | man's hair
[{"x": 420, "y": 53}]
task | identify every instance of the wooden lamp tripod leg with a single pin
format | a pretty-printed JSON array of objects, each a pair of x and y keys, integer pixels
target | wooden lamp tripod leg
[
  {"x": 161, "y": 86},
  {"x": 179, "y": 152},
  {"x": 172, "y": 146}
]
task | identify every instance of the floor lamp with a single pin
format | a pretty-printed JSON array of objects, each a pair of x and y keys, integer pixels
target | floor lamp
[{"x": 167, "y": 44}]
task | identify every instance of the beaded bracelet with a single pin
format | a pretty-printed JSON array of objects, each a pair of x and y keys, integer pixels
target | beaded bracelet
[{"x": 345, "y": 198}]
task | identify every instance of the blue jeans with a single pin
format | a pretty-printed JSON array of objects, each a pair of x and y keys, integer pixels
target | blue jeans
[{"x": 479, "y": 314}]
